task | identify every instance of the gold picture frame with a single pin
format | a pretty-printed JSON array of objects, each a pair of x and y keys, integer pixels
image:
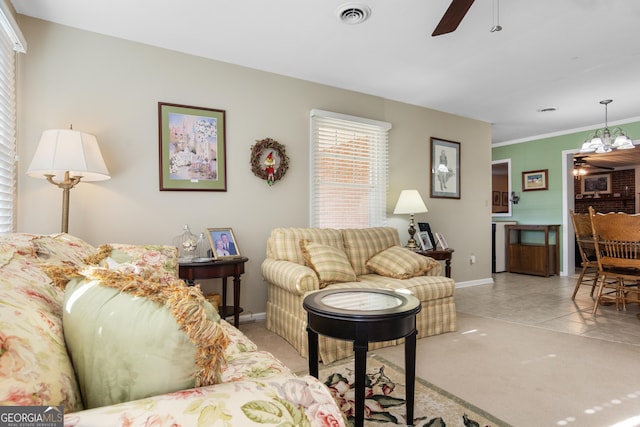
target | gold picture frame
[{"x": 223, "y": 243}]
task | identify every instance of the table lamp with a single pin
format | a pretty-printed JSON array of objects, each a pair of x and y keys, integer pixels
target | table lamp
[
  {"x": 67, "y": 156},
  {"x": 410, "y": 203}
]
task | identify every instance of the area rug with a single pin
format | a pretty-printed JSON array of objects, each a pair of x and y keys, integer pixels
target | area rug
[{"x": 385, "y": 394}]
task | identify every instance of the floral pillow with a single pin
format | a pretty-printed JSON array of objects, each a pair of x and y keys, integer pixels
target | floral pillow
[
  {"x": 130, "y": 338},
  {"x": 152, "y": 262},
  {"x": 400, "y": 263},
  {"x": 330, "y": 263}
]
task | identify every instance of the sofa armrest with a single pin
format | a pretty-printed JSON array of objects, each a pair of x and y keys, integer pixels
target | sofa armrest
[
  {"x": 296, "y": 278},
  {"x": 436, "y": 270}
]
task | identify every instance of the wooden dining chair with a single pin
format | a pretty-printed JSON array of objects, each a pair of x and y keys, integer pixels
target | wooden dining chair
[
  {"x": 589, "y": 262},
  {"x": 616, "y": 238}
]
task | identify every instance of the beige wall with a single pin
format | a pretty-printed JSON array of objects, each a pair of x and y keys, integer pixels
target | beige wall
[{"x": 110, "y": 87}]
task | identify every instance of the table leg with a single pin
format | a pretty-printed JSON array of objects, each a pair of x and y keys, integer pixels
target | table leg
[
  {"x": 447, "y": 267},
  {"x": 224, "y": 294},
  {"x": 360, "y": 370},
  {"x": 410, "y": 373},
  {"x": 236, "y": 301},
  {"x": 312, "y": 340}
]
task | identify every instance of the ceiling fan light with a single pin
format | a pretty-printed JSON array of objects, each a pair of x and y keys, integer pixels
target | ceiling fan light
[
  {"x": 621, "y": 140},
  {"x": 627, "y": 145},
  {"x": 603, "y": 149},
  {"x": 587, "y": 148}
]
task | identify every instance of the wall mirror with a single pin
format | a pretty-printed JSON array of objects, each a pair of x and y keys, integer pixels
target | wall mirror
[{"x": 501, "y": 188}]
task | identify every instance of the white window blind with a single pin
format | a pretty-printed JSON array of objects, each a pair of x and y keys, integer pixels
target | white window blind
[
  {"x": 349, "y": 169},
  {"x": 11, "y": 41}
]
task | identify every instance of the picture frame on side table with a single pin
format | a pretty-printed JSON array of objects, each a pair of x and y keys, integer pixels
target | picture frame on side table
[
  {"x": 223, "y": 243},
  {"x": 425, "y": 241},
  {"x": 599, "y": 183},
  {"x": 192, "y": 147},
  {"x": 424, "y": 227},
  {"x": 445, "y": 169},
  {"x": 535, "y": 180},
  {"x": 442, "y": 241}
]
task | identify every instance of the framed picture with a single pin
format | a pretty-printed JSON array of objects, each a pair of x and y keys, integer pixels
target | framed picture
[
  {"x": 535, "y": 180},
  {"x": 425, "y": 228},
  {"x": 600, "y": 183},
  {"x": 192, "y": 148},
  {"x": 496, "y": 198},
  {"x": 425, "y": 241},
  {"x": 505, "y": 198},
  {"x": 223, "y": 243},
  {"x": 445, "y": 169},
  {"x": 442, "y": 241}
]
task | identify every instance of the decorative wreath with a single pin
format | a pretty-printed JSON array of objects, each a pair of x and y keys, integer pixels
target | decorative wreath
[{"x": 269, "y": 160}]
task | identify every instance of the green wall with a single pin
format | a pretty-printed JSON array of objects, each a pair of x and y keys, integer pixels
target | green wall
[{"x": 544, "y": 207}]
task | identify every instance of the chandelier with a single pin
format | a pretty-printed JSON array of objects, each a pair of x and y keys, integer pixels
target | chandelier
[{"x": 606, "y": 140}]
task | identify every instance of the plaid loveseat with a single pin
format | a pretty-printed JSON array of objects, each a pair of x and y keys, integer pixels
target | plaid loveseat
[{"x": 290, "y": 279}]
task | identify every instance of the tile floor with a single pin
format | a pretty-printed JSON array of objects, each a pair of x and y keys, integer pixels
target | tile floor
[{"x": 546, "y": 303}]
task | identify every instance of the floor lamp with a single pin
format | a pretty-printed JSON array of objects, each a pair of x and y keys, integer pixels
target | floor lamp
[
  {"x": 64, "y": 157},
  {"x": 410, "y": 203}
]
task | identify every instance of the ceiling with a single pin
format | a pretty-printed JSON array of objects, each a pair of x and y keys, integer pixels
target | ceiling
[{"x": 567, "y": 54}]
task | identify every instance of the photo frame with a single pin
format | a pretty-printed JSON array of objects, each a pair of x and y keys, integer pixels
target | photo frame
[
  {"x": 496, "y": 198},
  {"x": 445, "y": 169},
  {"x": 424, "y": 227},
  {"x": 535, "y": 180},
  {"x": 192, "y": 147},
  {"x": 223, "y": 243},
  {"x": 599, "y": 183},
  {"x": 505, "y": 198},
  {"x": 425, "y": 241},
  {"x": 442, "y": 241}
]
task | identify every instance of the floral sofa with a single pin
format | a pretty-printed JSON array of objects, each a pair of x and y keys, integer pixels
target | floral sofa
[
  {"x": 303, "y": 260},
  {"x": 212, "y": 375}
]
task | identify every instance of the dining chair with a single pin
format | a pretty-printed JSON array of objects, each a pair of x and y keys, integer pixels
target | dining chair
[
  {"x": 584, "y": 239},
  {"x": 616, "y": 238}
]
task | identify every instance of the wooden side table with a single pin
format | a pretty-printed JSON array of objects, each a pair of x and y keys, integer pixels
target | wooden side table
[
  {"x": 441, "y": 255},
  {"x": 364, "y": 316},
  {"x": 219, "y": 269}
]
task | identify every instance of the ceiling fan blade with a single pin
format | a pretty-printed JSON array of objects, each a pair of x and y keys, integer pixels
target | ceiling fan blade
[{"x": 452, "y": 17}]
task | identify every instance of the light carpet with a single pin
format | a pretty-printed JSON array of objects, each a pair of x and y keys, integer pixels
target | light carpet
[{"x": 385, "y": 397}]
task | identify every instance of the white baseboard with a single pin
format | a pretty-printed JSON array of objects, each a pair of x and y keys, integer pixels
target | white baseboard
[{"x": 486, "y": 281}]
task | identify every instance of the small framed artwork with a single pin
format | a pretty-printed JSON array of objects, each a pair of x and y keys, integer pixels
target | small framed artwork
[
  {"x": 496, "y": 198},
  {"x": 445, "y": 169},
  {"x": 425, "y": 228},
  {"x": 192, "y": 148},
  {"x": 600, "y": 183},
  {"x": 223, "y": 243},
  {"x": 505, "y": 198},
  {"x": 535, "y": 180},
  {"x": 425, "y": 241},
  {"x": 442, "y": 241}
]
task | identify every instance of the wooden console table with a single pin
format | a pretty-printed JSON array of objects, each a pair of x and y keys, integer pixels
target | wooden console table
[
  {"x": 535, "y": 254},
  {"x": 219, "y": 269},
  {"x": 441, "y": 255}
]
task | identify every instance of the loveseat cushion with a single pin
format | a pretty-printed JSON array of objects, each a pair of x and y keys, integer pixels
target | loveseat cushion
[
  {"x": 284, "y": 243},
  {"x": 130, "y": 338},
  {"x": 400, "y": 263},
  {"x": 330, "y": 264},
  {"x": 362, "y": 243}
]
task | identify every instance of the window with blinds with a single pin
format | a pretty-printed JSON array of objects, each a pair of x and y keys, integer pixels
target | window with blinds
[
  {"x": 349, "y": 171},
  {"x": 11, "y": 41}
]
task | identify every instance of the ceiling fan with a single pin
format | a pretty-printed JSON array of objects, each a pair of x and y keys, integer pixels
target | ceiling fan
[
  {"x": 452, "y": 17},
  {"x": 581, "y": 162}
]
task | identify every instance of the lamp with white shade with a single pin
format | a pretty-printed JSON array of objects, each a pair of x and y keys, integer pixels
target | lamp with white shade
[
  {"x": 410, "y": 203},
  {"x": 64, "y": 157}
]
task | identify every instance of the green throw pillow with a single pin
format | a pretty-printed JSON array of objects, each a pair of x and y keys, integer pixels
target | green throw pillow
[{"x": 129, "y": 338}]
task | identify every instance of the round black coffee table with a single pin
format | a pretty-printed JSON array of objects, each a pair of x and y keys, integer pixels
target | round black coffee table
[{"x": 364, "y": 316}]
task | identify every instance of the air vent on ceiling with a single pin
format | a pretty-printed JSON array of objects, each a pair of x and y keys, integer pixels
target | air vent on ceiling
[{"x": 352, "y": 13}]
